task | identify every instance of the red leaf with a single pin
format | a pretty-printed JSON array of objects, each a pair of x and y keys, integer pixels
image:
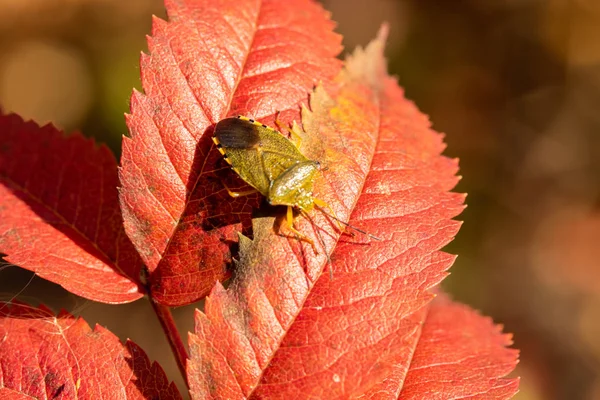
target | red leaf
[
  {"x": 460, "y": 355},
  {"x": 212, "y": 59},
  {"x": 48, "y": 356},
  {"x": 283, "y": 329},
  {"x": 59, "y": 212}
]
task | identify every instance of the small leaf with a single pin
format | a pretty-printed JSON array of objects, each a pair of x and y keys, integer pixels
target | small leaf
[
  {"x": 46, "y": 356},
  {"x": 459, "y": 354},
  {"x": 211, "y": 60},
  {"x": 59, "y": 212}
]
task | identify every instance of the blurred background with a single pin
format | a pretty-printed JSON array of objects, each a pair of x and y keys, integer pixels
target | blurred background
[{"x": 515, "y": 85}]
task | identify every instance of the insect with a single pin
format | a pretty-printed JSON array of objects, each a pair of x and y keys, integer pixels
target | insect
[{"x": 273, "y": 165}]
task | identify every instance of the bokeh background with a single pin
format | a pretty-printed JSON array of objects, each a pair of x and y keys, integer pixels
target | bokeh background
[{"x": 515, "y": 85}]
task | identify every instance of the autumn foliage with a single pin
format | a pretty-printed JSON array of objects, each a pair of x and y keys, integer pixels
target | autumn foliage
[{"x": 163, "y": 225}]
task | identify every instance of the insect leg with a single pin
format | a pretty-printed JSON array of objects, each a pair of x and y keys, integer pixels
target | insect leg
[
  {"x": 322, "y": 243},
  {"x": 290, "y": 224},
  {"x": 278, "y": 122},
  {"x": 294, "y": 136},
  {"x": 239, "y": 194}
]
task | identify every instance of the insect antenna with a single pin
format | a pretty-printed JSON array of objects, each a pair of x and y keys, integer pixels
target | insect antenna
[
  {"x": 322, "y": 242},
  {"x": 347, "y": 224}
]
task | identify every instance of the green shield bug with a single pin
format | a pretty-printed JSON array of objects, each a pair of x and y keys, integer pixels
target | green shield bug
[{"x": 273, "y": 165}]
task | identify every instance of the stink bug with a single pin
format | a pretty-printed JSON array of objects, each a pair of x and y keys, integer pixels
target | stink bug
[{"x": 272, "y": 165}]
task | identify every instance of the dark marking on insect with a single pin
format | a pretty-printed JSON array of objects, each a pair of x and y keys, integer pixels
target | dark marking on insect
[{"x": 233, "y": 135}]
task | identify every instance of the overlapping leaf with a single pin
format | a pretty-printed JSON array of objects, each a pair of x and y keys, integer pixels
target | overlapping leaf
[
  {"x": 212, "y": 59},
  {"x": 44, "y": 356},
  {"x": 459, "y": 354},
  {"x": 59, "y": 212},
  {"x": 285, "y": 330}
]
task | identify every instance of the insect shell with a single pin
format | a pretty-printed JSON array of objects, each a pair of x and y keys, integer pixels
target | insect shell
[{"x": 270, "y": 163}]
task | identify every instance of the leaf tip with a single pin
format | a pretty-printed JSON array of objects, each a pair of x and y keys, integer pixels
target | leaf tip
[
  {"x": 244, "y": 242},
  {"x": 383, "y": 32},
  {"x": 369, "y": 63}
]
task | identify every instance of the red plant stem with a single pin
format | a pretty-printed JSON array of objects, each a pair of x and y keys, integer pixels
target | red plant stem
[{"x": 168, "y": 324}]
